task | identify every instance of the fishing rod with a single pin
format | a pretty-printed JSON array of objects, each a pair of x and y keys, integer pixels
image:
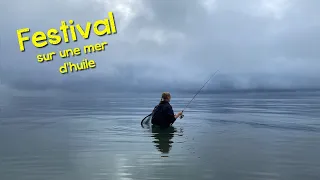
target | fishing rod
[
  {"x": 198, "y": 93},
  {"x": 148, "y": 116}
]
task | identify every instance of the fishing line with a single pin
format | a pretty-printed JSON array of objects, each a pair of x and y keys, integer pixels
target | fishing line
[{"x": 198, "y": 93}]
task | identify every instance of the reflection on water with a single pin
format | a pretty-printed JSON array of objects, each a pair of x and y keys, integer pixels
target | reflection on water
[
  {"x": 225, "y": 136},
  {"x": 163, "y": 137}
]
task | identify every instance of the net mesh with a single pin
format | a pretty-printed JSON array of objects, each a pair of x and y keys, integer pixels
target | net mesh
[{"x": 147, "y": 119}]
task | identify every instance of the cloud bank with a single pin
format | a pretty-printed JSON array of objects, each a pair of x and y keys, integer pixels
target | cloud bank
[{"x": 169, "y": 45}]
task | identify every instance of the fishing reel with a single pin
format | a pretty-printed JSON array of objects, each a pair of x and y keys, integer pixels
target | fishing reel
[{"x": 181, "y": 115}]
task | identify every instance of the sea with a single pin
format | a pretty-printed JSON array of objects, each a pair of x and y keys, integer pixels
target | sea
[{"x": 223, "y": 136}]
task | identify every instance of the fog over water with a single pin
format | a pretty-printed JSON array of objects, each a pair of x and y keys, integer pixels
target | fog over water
[{"x": 169, "y": 45}]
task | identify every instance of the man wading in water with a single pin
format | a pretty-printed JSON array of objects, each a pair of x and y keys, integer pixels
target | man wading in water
[{"x": 163, "y": 115}]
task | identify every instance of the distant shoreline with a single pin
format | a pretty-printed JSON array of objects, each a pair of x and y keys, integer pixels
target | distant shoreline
[
  {"x": 142, "y": 93},
  {"x": 222, "y": 91}
]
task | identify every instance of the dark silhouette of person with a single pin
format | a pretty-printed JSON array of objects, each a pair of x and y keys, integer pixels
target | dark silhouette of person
[{"x": 162, "y": 114}]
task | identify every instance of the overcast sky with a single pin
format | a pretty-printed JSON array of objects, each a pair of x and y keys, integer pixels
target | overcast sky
[{"x": 163, "y": 45}]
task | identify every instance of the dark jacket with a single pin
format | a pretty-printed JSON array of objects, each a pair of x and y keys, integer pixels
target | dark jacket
[{"x": 163, "y": 115}]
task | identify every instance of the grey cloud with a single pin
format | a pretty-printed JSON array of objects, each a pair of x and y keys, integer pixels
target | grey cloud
[{"x": 172, "y": 45}]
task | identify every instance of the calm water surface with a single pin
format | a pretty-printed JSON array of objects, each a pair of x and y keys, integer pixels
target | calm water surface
[{"x": 223, "y": 136}]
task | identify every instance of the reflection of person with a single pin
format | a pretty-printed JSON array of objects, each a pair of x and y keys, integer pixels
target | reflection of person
[
  {"x": 162, "y": 138},
  {"x": 163, "y": 114}
]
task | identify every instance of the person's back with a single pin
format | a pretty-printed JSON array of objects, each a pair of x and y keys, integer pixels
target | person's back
[{"x": 163, "y": 114}]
